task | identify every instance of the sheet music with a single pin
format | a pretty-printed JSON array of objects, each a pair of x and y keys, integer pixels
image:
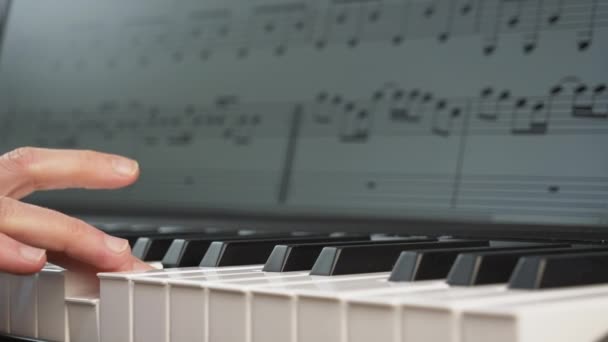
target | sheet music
[{"x": 490, "y": 110}]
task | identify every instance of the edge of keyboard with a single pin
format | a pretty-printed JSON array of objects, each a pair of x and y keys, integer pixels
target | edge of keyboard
[{"x": 5, "y": 338}]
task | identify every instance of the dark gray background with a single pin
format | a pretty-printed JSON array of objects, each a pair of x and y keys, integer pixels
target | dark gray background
[{"x": 424, "y": 109}]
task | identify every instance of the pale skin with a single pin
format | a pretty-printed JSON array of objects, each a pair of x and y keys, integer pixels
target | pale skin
[{"x": 30, "y": 235}]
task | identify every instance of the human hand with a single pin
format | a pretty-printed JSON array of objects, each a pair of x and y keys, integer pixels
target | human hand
[{"x": 29, "y": 235}]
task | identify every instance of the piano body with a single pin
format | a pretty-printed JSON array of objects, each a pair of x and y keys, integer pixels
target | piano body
[{"x": 321, "y": 170}]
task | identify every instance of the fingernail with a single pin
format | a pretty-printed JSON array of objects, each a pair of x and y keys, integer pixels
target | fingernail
[
  {"x": 116, "y": 245},
  {"x": 31, "y": 254},
  {"x": 124, "y": 166},
  {"x": 141, "y": 266}
]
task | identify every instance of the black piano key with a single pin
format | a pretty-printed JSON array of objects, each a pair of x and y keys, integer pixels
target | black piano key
[
  {"x": 153, "y": 248},
  {"x": 484, "y": 268},
  {"x": 133, "y": 232},
  {"x": 436, "y": 263},
  {"x": 248, "y": 252},
  {"x": 132, "y": 235},
  {"x": 551, "y": 271},
  {"x": 124, "y": 231},
  {"x": 140, "y": 247},
  {"x": 190, "y": 252},
  {"x": 373, "y": 258},
  {"x": 302, "y": 257},
  {"x": 186, "y": 253}
]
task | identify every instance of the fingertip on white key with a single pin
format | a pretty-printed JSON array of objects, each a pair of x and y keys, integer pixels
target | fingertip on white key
[{"x": 157, "y": 265}]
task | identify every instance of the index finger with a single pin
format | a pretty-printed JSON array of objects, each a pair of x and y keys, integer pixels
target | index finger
[
  {"x": 28, "y": 169},
  {"x": 55, "y": 232}
]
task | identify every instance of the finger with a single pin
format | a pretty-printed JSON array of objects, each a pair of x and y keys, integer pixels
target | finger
[
  {"x": 28, "y": 169},
  {"x": 18, "y": 258},
  {"x": 52, "y": 231}
]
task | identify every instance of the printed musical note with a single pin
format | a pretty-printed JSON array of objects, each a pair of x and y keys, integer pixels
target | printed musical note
[
  {"x": 443, "y": 118},
  {"x": 570, "y": 106},
  {"x": 326, "y": 108},
  {"x": 279, "y": 25},
  {"x": 554, "y": 93},
  {"x": 145, "y": 37},
  {"x": 531, "y": 37},
  {"x": 381, "y": 21},
  {"x": 600, "y": 101},
  {"x": 241, "y": 131},
  {"x": 400, "y": 107},
  {"x": 402, "y": 23},
  {"x": 154, "y": 38},
  {"x": 580, "y": 106},
  {"x": 585, "y": 36},
  {"x": 590, "y": 103},
  {"x": 510, "y": 16},
  {"x": 213, "y": 27},
  {"x": 432, "y": 19},
  {"x": 467, "y": 17},
  {"x": 491, "y": 105},
  {"x": 408, "y": 107},
  {"x": 535, "y": 121},
  {"x": 555, "y": 10},
  {"x": 182, "y": 139},
  {"x": 355, "y": 124},
  {"x": 345, "y": 21},
  {"x": 445, "y": 33},
  {"x": 425, "y": 101},
  {"x": 492, "y": 32},
  {"x": 486, "y": 106}
]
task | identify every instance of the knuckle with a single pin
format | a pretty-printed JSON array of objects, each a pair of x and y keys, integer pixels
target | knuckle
[
  {"x": 74, "y": 229},
  {"x": 88, "y": 159},
  {"x": 18, "y": 160},
  {"x": 6, "y": 208},
  {"x": 88, "y": 156}
]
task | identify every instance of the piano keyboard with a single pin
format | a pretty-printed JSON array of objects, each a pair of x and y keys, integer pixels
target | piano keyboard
[{"x": 237, "y": 286}]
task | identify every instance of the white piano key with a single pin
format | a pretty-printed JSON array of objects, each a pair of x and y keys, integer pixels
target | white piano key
[
  {"x": 372, "y": 322},
  {"x": 150, "y": 315},
  {"x": 384, "y": 310},
  {"x": 55, "y": 284},
  {"x": 564, "y": 319},
  {"x": 83, "y": 314},
  {"x": 445, "y": 311},
  {"x": 150, "y": 308},
  {"x": 116, "y": 302},
  {"x": 435, "y": 315},
  {"x": 271, "y": 319},
  {"x": 273, "y": 306},
  {"x": 321, "y": 314},
  {"x": 23, "y": 292},
  {"x": 229, "y": 303},
  {"x": 188, "y": 322},
  {"x": 52, "y": 310},
  {"x": 188, "y": 313},
  {"x": 5, "y": 312}
]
